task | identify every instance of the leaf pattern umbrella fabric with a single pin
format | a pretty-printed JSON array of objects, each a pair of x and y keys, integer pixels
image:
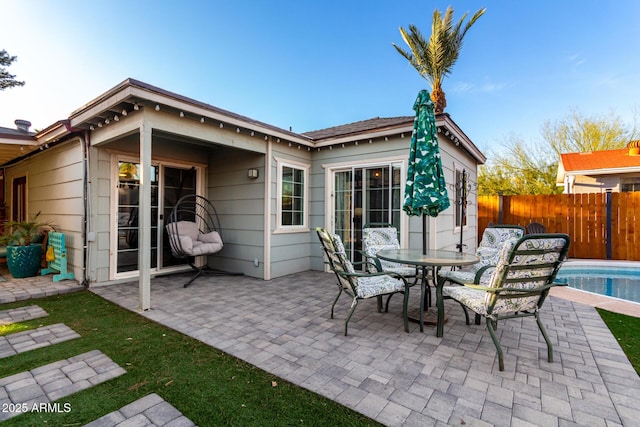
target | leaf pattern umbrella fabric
[{"x": 425, "y": 192}]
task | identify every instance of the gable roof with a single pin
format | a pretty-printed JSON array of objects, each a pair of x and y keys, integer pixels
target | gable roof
[{"x": 131, "y": 94}]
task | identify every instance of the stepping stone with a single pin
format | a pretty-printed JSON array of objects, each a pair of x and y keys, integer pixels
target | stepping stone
[
  {"x": 35, "y": 338},
  {"x": 20, "y": 314},
  {"x": 27, "y": 391},
  {"x": 151, "y": 410}
]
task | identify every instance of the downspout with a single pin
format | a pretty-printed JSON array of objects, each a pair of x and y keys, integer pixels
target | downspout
[
  {"x": 84, "y": 141},
  {"x": 87, "y": 209}
]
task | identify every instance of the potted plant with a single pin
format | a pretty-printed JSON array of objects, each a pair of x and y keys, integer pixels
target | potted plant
[{"x": 23, "y": 240}]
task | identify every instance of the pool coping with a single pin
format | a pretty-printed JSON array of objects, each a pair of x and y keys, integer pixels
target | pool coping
[{"x": 613, "y": 304}]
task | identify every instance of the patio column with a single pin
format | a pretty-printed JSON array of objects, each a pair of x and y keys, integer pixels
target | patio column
[{"x": 144, "y": 217}]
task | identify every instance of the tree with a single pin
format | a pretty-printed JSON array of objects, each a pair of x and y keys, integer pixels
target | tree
[
  {"x": 7, "y": 80},
  {"x": 520, "y": 168},
  {"x": 577, "y": 133},
  {"x": 434, "y": 59}
]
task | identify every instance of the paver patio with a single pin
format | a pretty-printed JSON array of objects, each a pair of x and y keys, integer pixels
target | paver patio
[{"x": 283, "y": 327}]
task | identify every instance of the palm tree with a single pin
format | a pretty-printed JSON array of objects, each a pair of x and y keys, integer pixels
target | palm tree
[{"x": 435, "y": 58}]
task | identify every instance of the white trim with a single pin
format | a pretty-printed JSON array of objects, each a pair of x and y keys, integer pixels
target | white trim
[
  {"x": 607, "y": 171},
  {"x": 267, "y": 211},
  {"x": 305, "y": 167}
]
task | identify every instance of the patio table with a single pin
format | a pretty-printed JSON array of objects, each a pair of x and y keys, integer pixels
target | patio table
[{"x": 433, "y": 259}]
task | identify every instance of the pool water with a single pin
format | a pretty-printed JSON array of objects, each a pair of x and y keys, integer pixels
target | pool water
[{"x": 618, "y": 282}]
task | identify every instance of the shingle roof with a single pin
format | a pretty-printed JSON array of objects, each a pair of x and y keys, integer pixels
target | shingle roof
[
  {"x": 607, "y": 159},
  {"x": 15, "y": 133},
  {"x": 358, "y": 127}
]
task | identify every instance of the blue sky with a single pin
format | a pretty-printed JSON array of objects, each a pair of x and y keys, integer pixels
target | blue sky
[{"x": 315, "y": 64}]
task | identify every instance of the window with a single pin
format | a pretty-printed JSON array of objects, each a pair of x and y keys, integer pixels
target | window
[
  {"x": 461, "y": 198},
  {"x": 292, "y": 195},
  {"x": 630, "y": 184}
]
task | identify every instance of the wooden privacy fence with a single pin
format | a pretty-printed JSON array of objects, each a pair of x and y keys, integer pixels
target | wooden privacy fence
[{"x": 602, "y": 225}]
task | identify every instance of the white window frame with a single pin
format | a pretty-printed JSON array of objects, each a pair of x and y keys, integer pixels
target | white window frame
[
  {"x": 304, "y": 167},
  {"x": 332, "y": 168}
]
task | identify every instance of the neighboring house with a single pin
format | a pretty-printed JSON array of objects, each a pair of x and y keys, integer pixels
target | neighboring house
[
  {"x": 600, "y": 171},
  {"x": 15, "y": 143},
  {"x": 85, "y": 172}
]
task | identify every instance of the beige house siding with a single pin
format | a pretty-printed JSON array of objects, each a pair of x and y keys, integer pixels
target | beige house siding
[
  {"x": 55, "y": 189},
  {"x": 601, "y": 183}
]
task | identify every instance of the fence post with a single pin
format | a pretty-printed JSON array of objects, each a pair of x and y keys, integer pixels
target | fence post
[
  {"x": 500, "y": 200},
  {"x": 609, "y": 228}
]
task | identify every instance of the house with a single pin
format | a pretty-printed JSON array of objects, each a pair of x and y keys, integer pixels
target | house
[
  {"x": 116, "y": 166},
  {"x": 600, "y": 171}
]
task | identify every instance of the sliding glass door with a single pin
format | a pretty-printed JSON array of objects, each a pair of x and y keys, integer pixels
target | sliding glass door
[
  {"x": 365, "y": 195},
  {"x": 168, "y": 184}
]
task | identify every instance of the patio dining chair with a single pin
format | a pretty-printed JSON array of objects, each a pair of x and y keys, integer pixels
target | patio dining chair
[
  {"x": 493, "y": 239},
  {"x": 360, "y": 285},
  {"x": 518, "y": 285},
  {"x": 383, "y": 236}
]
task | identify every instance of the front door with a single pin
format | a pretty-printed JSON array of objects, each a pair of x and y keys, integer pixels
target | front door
[
  {"x": 168, "y": 184},
  {"x": 364, "y": 195},
  {"x": 19, "y": 201}
]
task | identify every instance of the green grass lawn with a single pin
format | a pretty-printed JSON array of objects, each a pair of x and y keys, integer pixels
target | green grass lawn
[
  {"x": 626, "y": 329},
  {"x": 206, "y": 385}
]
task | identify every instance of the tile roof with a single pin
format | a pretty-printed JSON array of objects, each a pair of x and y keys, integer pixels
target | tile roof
[{"x": 606, "y": 159}]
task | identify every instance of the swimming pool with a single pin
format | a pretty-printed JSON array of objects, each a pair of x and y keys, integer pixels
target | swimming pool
[{"x": 611, "y": 280}]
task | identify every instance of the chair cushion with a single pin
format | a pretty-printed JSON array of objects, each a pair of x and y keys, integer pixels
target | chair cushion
[
  {"x": 378, "y": 285},
  {"x": 205, "y": 249},
  {"x": 458, "y": 276},
  {"x": 342, "y": 253},
  {"x": 381, "y": 236},
  {"x": 185, "y": 228},
  {"x": 494, "y": 237},
  {"x": 371, "y": 251},
  {"x": 212, "y": 237},
  {"x": 472, "y": 298},
  {"x": 377, "y": 239},
  {"x": 403, "y": 270},
  {"x": 186, "y": 244}
]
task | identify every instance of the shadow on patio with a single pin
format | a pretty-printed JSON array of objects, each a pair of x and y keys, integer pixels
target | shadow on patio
[{"x": 283, "y": 327}]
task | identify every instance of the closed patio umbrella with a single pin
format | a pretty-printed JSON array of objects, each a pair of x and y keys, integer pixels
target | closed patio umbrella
[{"x": 425, "y": 192}]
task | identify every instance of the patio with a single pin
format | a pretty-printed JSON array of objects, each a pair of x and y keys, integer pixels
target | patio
[
  {"x": 283, "y": 327},
  {"x": 394, "y": 377}
]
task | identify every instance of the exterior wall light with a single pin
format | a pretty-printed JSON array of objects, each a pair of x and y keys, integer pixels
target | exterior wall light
[{"x": 252, "y": 173}]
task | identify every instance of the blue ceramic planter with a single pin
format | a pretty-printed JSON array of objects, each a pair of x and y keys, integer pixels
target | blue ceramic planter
[{"x": 24, "y": 261}]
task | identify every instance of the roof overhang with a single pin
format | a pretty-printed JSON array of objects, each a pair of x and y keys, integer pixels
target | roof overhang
[
  {"x": 15, "y": 146},
  {"x": 446, "y": 125},
  {"x": 132, "y": 95},
  {"x": 608, "y": 171}
]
